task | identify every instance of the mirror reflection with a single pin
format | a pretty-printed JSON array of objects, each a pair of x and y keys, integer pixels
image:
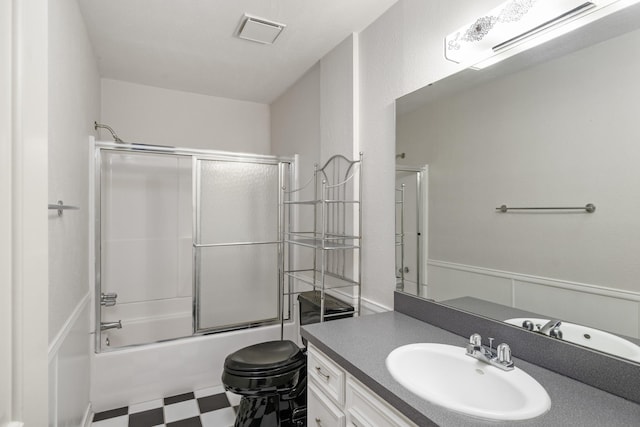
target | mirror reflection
[{"x": 560, "y": 133}]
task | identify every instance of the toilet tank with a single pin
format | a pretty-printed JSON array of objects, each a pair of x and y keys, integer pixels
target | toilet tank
[{"x": 334, "y": 308}]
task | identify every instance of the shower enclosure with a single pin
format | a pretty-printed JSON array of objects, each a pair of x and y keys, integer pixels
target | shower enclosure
[{"x": 187, "y": 242}]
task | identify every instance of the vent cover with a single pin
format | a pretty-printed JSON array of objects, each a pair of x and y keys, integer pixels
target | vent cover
[{"x": 259, "y": 30}]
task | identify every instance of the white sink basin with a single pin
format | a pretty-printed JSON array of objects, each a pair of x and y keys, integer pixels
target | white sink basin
[
  {"x": 445, "y": 375},
  {"x": 589, "y": 337}
]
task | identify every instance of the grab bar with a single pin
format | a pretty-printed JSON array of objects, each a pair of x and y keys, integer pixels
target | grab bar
[
  {"x": 60, "y": 206},
  {"x": 589, "y": 208}
]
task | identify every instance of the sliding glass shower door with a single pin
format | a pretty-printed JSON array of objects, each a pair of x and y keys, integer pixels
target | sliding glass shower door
[
  {"x": 236, "y": 243},
  {"x": 187, "y": 242}
]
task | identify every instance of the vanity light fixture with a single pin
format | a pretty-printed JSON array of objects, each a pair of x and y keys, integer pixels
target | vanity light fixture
[
  {"x": 259, "y": 30},
  {"x": 517, "y": 25}
]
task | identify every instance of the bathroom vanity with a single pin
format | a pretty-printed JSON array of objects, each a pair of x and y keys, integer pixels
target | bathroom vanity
[
  {"x": 337, "y": 398},
  {"x": 350, "y": 385}
]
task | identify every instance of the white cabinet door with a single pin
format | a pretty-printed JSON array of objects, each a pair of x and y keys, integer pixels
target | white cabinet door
[
  {"x": 327, "y": 374},
  {"x": 366, "y": 409},
  {"x": 321, "y": 412}
]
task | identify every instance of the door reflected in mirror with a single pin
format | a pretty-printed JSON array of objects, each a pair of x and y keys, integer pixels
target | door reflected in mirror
[{"x": 410, "y": 217}]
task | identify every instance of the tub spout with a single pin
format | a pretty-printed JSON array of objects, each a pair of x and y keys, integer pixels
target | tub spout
[{"x": 110, "y": 325}]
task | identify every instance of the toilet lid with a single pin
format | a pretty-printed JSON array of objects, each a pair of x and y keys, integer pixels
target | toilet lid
[{"x": 267, "y": 358}]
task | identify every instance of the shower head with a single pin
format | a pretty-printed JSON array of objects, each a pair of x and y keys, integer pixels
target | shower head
[{"x": 116, "y": 138}]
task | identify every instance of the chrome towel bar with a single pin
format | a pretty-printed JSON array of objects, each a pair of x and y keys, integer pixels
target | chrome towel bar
[
  {"x": 589, "y": 208},
  {"x": 60, "y": 206}
]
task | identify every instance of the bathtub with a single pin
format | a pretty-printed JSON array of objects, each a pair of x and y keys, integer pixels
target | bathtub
[{"x": 153, "y": 371}]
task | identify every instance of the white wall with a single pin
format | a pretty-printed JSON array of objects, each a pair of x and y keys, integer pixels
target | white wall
[
  {"x": 400, "y": 52},
  {"x": 151, "y": 115},
  {"x": 360, "y": 80},
  {"x": 27, "y": 188},
  {"x": 337, "y": 96},
  {"x": 295, "y": 122},
  {"x": 74, "y": 104},
  {"x": 6, "y": 285},
  {"x": 327, "y": 98},
  {"x": 316, "y": 117}
]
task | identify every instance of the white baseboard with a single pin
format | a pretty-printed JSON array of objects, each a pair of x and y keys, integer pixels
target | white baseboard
[
  {"x": 374, "y": 307},
  {"x": 88, "y": 416},
  {"x": 546, "y": 281}
]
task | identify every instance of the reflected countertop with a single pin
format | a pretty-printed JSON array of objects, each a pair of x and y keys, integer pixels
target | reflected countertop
[
  {"x": 361, "y": 345},
  {"x": 502, "y": 312}
]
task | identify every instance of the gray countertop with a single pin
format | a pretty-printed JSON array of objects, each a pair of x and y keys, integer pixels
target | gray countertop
[{"x": 361, "y": 345}]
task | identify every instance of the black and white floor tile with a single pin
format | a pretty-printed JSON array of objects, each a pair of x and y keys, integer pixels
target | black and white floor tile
[{"x": 211, "y": 407}]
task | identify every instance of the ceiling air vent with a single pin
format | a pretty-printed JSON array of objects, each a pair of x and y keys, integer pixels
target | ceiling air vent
[{"x": 259, "y": 30}]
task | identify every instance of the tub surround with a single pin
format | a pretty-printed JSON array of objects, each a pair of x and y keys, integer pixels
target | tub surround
[{"x": 361, "y": 346}]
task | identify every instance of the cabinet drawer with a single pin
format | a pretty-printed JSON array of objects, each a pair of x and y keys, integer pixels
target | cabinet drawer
[
  {"x": 321, "y": 412},
  {"x": 328, "y": 376},
  {"x": 366, "y": 409}
]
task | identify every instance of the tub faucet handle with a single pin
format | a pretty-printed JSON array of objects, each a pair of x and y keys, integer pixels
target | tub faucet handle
[{"x": 109, "y": 299}]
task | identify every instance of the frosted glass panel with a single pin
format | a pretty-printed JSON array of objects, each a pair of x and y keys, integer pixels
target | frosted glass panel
[
  {"x": 238, "y": 202},
  {"x": 139, "y": 196},
  {"x": 237, "y": 285},
  {"x": 146, "y": 246}
]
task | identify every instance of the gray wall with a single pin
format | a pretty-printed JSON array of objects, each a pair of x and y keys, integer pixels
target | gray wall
[{"x": 562, "y": 133}]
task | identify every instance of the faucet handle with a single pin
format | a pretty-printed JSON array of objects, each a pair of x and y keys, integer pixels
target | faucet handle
[
  {"x": 504, "y": 354},
  {"x": 109, "y": 299},
  {"x": 475, "y": 344},
  {"x": 475, "y": 340},
  {"x": 556, "y": 333},
  {"x": 528, "y": 325}
]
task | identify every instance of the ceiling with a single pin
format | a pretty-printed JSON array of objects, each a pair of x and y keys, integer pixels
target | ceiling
[{"x": 190, "y": 45}]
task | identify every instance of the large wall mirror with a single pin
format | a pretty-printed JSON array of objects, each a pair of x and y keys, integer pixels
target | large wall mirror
[{"x": 554, "y": 127}]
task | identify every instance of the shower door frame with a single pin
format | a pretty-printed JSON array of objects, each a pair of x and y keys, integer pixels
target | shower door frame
[
  {"x": 195, "y": 155},
  {"x": 422, "y": 215},
  {"x": 283, "y": 178}
]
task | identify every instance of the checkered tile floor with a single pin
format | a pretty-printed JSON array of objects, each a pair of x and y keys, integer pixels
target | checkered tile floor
[{"x": 212, "y": 407}]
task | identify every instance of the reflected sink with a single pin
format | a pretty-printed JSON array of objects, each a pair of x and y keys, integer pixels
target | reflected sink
[
  {"x": 591, "y": 338},
  {"x": 446, "y": 376}
]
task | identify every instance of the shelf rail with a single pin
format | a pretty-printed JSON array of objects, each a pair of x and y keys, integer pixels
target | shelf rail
[{"x": 589, "y": 208}]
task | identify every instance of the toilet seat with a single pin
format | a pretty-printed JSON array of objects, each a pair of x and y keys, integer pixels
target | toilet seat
[{"x": 269, "y": 358}]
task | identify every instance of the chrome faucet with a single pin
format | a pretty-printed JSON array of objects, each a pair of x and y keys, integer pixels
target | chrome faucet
[
  {"x": 551, "y": 328},
  {"x": 110, "y": 325},
  {"x": 500, "y": 358}
]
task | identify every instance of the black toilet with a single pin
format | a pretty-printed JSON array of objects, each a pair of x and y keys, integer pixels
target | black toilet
[{"x": 271, "y": 376}]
